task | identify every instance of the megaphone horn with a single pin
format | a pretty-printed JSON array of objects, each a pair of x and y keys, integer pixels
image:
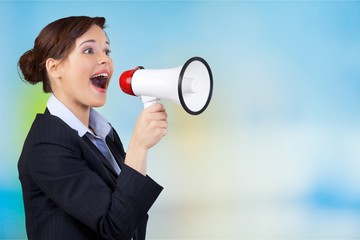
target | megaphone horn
[{"x": 189, "y": 85}]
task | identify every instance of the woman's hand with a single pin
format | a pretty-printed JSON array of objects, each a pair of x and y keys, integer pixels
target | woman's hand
[{"x": 150, "y": 128}]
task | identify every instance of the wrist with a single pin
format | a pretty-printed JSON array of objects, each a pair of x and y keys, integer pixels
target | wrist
[{"x": 136, "y": 158}]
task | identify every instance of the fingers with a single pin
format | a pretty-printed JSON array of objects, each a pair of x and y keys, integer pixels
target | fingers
[
  {"x": 157, "y": 107},
  {"x": 157, "y": 111},
  {"x": 158, "y": 116},
  {"x": 159, "y": 120}
]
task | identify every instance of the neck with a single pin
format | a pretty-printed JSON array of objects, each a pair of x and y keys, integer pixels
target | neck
[{"x": 82, "y": 112}]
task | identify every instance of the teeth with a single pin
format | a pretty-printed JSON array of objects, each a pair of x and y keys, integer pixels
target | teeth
[{"x": 101, "y": 75}]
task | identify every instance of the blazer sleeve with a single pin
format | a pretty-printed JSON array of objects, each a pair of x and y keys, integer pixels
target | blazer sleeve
[{"x": 55, "y": 161}]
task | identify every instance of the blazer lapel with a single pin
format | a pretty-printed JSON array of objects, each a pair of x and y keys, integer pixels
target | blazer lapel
[
  {"x": 116, "y": 149},
  {"x": 110, "y": 170}
]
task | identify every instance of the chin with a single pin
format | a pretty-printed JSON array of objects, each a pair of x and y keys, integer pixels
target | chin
[
  {"x": 99, "y": 102},
  {"x": 98, "y": 105}
]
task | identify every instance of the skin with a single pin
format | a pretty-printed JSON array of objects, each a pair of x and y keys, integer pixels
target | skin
[{"x": 70, "y": 83}]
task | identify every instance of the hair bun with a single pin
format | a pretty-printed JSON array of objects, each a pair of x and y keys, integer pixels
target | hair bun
[{"x": 28, "y": 69}]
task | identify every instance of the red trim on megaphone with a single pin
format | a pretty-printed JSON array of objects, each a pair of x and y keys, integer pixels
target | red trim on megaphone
[{"x": 125, "y": 80}]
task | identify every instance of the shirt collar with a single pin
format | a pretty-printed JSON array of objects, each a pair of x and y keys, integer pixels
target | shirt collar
[{"x": 97, "y": 122}]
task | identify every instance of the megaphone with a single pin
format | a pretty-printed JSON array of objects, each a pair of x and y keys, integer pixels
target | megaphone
[{"x": 189, "y": 85}]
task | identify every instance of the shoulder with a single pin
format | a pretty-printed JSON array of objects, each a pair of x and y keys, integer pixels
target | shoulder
[
  {"x": 49, "y": 128},
  {"x": 49, "y": 132},
  {"x": 49, "y": 140}
]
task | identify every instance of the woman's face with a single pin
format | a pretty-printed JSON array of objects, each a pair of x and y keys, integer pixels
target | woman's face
[{"x": 86, "y": 71}]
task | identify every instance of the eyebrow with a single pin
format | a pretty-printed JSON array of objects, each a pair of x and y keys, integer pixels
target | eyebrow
[{"x": 92, "y": 41}]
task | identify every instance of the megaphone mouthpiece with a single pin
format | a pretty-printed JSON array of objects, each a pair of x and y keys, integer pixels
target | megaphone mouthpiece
[{"x": 125, "y": 80}]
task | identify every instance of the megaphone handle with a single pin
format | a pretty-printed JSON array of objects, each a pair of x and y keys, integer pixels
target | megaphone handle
[{"x": 148, "y": 101}]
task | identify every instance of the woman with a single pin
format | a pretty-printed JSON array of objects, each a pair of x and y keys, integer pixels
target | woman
[{"x": 77, "y": 181}]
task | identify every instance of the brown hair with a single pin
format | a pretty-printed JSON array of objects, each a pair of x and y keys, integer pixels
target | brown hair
[{"x": 56, "y": 41}]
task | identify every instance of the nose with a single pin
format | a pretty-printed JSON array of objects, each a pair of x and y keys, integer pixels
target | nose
[{"x": 104, "y": 59}]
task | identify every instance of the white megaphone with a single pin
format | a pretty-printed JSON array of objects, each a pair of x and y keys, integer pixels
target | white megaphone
[{"x": 190, "y": 85}]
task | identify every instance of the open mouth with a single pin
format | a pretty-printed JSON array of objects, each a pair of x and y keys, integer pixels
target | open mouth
[{"x": 99, "y": 80}]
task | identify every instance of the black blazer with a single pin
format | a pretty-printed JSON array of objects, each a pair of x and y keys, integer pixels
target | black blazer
[{"x": 71, "y": 192}]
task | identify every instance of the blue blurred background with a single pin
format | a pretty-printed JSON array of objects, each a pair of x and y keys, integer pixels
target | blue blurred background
[{"x": 276, "y": 154}]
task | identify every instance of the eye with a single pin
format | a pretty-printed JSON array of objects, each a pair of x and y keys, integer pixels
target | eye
[
  {"x": 107, "y": 52},
  {"x": 89, "y": 51}
]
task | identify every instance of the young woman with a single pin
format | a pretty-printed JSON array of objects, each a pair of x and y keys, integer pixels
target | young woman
[{"x": 77, "y": 181}]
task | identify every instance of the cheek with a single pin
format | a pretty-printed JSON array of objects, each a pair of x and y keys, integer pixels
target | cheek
[
  {"x": 111, "y": 63},
  {"x": 111, "y": 68},
  {"x": 82, "y": 73}
]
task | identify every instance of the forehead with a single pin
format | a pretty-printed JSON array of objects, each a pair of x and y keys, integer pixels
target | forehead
[{"x": 95, "y": 33}]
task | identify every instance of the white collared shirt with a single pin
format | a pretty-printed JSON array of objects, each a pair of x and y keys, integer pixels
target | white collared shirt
[{"x": 101, "y": 128}]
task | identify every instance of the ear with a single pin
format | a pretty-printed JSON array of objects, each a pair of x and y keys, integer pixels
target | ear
[{"x": 53, "y": 67}]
